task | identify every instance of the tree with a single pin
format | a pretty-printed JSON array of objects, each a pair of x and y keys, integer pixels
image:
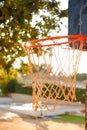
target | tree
[
  {"x": 5, "y": 76},
  {"x": 23, "y": 20},
  {"x": 81, "y": 77}
]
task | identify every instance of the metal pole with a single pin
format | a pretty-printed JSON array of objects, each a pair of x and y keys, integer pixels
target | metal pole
[
  {"x": 82, "y": 8},
  {"x": 86, "y": 108}
]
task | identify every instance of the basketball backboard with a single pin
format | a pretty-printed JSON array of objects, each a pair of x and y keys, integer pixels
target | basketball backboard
[{"x": 77, "y": 17}]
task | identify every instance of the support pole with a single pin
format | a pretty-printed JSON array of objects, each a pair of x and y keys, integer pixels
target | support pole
[{"x": 86, "y": 108}]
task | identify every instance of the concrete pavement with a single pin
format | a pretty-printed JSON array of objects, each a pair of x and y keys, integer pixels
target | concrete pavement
[{"x": 25, "y": 107}]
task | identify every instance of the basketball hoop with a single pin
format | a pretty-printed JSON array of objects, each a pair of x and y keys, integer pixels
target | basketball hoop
[{"x": 53, "y": 65}]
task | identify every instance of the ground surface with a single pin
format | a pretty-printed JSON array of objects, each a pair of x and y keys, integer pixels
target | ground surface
[
  {"x": 16, "y": 121},
  {"x": 11, "y": 119}
]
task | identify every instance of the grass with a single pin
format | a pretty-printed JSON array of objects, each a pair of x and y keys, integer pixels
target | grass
[{"x": 70, "y": 119}]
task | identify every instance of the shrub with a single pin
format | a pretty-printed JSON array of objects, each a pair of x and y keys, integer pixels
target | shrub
[
  {"x": 11, "y": 86},
  {"x": 80, "y": 95},
  {"x": 14, "y": 86}
]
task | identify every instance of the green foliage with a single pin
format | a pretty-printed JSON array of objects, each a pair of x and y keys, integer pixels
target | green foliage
[
  {"x": 14, "y": 86},
  {"x": 70, "y": 119},
  {"x": 43, "y": 68},
  {"x": 11, "y": 86},
  {"x": 6, "y": 76},
  {"x": 22, "y": 20},
  {"x": 23, "y": 90},
  {"x": 63, "y": 13},
  {"x": 1, "y": 90},
  {"x": 81, "y": 77},
  {"x": 80, "y": 95},
  {"x": 25, "y": 69}
]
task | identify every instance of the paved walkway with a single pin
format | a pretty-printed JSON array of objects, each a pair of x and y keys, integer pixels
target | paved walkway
[{"x": 26, "y": 108}]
